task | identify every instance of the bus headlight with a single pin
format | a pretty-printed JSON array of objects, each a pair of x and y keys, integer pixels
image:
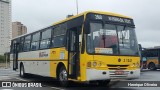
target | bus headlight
[
  {"x": 100, "y": 64},
  {"x": 133, "y": 65},
  {"x": 137, "y": 64},
  {"x": 89, "y": 64},
  {"x": 94, "y": 64}
]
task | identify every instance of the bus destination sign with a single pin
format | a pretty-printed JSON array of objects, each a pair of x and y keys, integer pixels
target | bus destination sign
[
  {"x": 118, "y": 19},
  {"x": 108, "y": 18}
]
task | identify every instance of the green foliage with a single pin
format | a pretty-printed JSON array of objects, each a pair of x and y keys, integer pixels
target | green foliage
[{"x": 2, "y": 58}]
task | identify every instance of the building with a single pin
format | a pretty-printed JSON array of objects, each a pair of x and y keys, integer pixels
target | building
[
  {"x": 5, "y": 26},
  {"x": 18, "y": 29}
]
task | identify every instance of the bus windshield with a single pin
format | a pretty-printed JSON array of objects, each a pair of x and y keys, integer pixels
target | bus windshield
[{"x": 111, "y": 39}]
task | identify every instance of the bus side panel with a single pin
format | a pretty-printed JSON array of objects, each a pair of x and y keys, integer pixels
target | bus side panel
[
  {"x": 57, "y": 55},
  {"x": 152, "y": 60},
  {"x": 36, "y": 62}
]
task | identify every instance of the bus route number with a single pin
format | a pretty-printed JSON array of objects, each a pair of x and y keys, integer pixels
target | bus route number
[
  {"x": 127, "y": 60},
  {"x": 98, "y": 16}
]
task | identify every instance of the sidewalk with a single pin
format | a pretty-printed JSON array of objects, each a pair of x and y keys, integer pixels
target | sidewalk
[
  {"x": 7, "y": 72},
  {"x": 3, "y": 65}
]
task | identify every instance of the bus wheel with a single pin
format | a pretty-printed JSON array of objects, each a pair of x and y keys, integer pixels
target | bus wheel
[
  {"x": 22, "y": 71},
  {"x": 63, "y": 77},
  {"x": 152, "y": 66},
  {"x": 104, "y": 83}
]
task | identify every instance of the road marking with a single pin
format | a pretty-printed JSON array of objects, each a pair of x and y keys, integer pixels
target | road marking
[
  {"x": 21, "y": 79},
  {"x": 6, "y": 89},
  {"x": 4, "y": 77},
  {"x": 57, "y": 88}
]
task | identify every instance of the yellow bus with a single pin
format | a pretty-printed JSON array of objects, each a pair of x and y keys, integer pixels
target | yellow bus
[
  {"x": 93, "y": 46},
  {"x": 151, "y": 58}
]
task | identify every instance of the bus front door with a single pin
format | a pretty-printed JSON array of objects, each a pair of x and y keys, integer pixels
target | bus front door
[
  {"x": 15, "y": 56},
  {"x": 73, "y": 54}
]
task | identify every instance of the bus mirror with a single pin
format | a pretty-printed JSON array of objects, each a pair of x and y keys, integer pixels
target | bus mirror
[
  {"x": 79, "y": 46},
  {"x": 140, "y": 47}
]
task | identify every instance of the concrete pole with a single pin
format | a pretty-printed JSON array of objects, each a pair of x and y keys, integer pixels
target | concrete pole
[
  {"x": 6, "y": 60},
  {"x": 77, "y": 5}
]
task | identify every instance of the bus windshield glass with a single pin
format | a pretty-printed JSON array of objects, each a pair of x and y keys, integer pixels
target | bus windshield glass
[{"x": 111, "y": 39}]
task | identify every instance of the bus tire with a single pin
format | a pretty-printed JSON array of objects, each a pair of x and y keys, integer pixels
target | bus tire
[
  {"x": 22, "y": 71},
  {"x": 152, "y": 66},
  {"x": 63, "y": 77}
]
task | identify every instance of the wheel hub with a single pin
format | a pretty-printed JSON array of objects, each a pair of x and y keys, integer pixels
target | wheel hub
[{"x": 63, "y": 76}]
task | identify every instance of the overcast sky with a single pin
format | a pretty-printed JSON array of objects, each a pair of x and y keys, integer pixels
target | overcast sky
[{"x": 37, "y": 14}]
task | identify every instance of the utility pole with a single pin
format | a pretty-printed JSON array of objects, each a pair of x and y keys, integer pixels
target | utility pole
[
  {"x": 77, "y": 5},
  {"x": 6, "y": 57},
  {"x": 6, "y": 61}
]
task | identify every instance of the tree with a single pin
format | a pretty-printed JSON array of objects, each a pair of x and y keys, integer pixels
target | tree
[{"x": 2, "y": 59}]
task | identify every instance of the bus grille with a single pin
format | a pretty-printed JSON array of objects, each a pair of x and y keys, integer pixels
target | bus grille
[
  {"x": 113, "y": 75},
  {"x": 117, "y": 67}
]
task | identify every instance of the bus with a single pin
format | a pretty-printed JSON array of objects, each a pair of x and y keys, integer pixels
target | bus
[
  {"x": 93, "y": 46},
  {"x": 141, "y": 58},
  {"x": 151, "y": 58}
]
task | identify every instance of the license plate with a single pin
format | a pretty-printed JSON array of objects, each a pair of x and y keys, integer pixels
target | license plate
[{"x": 119, "y": 72}]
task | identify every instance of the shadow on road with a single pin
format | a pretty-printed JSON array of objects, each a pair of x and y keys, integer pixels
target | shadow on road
[
  {"x": 50, "y": 82},
  {"x": 148, "y": 70}
]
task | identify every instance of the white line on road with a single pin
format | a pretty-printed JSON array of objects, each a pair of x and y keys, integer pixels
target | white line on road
[
  {"x": 21, "y": 79},
  {"x": 57, "y": 88},
  {"x": 4, "y": 77}
]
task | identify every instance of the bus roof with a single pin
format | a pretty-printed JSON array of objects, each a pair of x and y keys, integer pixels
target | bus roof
[
  {"x": 96, "y": 12},
  {"x": 30, "y": 33},
  {"x": 84, "y": 13}
]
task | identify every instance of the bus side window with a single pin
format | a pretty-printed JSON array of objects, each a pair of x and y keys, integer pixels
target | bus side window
[
  {"x": 21, "y": 44},
  {"x": 35, "y": 41},
  {"x": 58, "y": 38},
  {"x": 58, "y": 41},
  {"x": 45, "y": 39},
  {"x": 27, "y": 43}
]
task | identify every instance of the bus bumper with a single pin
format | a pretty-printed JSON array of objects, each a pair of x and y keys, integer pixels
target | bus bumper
[{"x": 94, "y": 74}]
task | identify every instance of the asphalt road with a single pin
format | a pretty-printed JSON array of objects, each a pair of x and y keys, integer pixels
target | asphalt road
[{"x": 51, "y": 84}]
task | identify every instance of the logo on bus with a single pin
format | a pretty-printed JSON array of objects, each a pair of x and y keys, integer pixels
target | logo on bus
[
  {"x": 119, "y": 60},
  {"x": 118, "y": 67},
  {"x": 43, "y": 54}
]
